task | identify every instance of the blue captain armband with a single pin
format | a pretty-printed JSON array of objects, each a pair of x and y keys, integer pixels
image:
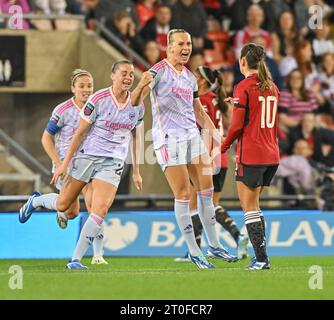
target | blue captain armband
[{"x": 52, "y": 128}]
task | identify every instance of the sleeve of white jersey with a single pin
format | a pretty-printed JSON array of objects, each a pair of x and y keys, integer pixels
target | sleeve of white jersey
[
  {"x": 141, "y": 115},
  {"x": 195, "y": 88},
  {"x": 56, "y": 122},
  {"x": 57, "y": 117},
  {"x": 89, "y": 111},
  {"x": 156, "y": 77}
]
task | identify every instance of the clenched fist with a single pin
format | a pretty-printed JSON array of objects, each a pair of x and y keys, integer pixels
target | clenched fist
[{"x": 146, "y": 79}]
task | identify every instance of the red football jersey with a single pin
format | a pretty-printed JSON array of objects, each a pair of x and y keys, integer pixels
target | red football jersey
[
  {"x": 210, "y": 103},
  {"x": 254, "y": 123}
]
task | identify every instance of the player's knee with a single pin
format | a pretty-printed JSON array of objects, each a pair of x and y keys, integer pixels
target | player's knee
[
  {"x": 183, "y": 194},
  {"x": 101, "y": 210},
  {"x": 88, "y": 207},
  {"x": 62, "y": 205},
  {"x": 248, "y": 206},
  {"x": 72, "y": 214}
]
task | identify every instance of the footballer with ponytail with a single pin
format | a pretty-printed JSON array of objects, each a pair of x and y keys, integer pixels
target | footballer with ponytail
[
  {"x": 255, "y": 55},
  {"x": 212, "y": 80},
  {"x": 254, "y": 124}
]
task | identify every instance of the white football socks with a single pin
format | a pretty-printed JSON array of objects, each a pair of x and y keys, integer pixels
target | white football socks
[
  {"x": 89, "y": 231},
  {"x": 185, "y": 224},
  {"x": 98, "y": 242},
  {"x": 47, "y": 201},
  {"x": 206, "y": 212}
]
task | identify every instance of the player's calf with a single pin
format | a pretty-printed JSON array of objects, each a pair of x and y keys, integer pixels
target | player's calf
[{"x": 224, "y": 219}]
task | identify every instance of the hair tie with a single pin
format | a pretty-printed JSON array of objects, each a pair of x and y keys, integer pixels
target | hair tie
[{"x": 203, "y": 74}]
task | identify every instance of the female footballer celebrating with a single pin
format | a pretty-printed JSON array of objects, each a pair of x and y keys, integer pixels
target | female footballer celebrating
[
  {"x": 99, "y": 148},
  {"x": 177, "y": 142},
  {"x": 56, "y": 138}
]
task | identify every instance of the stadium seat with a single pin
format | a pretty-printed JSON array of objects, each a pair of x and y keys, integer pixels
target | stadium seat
[{"x": 220, "y": 54}]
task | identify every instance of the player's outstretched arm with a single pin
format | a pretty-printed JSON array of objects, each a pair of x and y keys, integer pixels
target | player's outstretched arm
[
  {"x": 236, "y": 127},
  {"x": 227, "y": 117},
  {"x": 50, "y": 148},
  {"x": 206, "y": 123},
  {"x": 142, "y": 90},
  {"x": 202, "y": 117},
  {"x": 135, "y": 154},
  {"x": 78, "y": 137}
]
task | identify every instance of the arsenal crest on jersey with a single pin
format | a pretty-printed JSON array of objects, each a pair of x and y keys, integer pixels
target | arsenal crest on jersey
[
  {"x": 88, "y": 109},
  {"x": 132, "y": 115}
]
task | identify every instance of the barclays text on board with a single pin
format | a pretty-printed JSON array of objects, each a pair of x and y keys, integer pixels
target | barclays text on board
[{"x": 289, "y": 233}]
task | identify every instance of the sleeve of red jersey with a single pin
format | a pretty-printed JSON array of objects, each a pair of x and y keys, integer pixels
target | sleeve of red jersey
[{"x": 238, "y": 119}]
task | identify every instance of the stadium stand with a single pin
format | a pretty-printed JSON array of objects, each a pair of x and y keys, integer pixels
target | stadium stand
[{"x": 284, "y": 25}]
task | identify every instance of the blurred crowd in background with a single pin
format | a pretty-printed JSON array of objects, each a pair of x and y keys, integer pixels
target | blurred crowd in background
[{"x": 297, "y": 36}]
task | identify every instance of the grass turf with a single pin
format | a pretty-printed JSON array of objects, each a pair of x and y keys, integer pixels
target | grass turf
[{"x": 162, "y": 278}]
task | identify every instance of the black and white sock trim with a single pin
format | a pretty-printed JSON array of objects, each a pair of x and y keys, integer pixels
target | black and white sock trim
[{"x": 252, "y": 216}]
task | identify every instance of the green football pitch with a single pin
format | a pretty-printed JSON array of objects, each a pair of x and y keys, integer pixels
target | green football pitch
[{"x": 162, "y": 278}]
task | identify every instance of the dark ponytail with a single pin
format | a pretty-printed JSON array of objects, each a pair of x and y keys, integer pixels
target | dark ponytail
[
  {"x": 264, "y": 76},
  {"x": 215, "y": 81},
  {"x": 255, "y": 56},
  {"x": 221, "y": 92}
]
